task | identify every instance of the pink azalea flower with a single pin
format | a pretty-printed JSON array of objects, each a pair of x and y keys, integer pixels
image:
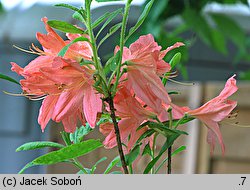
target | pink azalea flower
[
  {"x": 132, "y": 114},
  {"x": 52, "y": 44},
  {"x": 145, "y": 64},
  {"x": 66, "y": 86},
  {"x": 215, "y": 111}
]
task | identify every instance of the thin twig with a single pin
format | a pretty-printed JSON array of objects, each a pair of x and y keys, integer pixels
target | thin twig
[
  {"x": 169, "y": 159},
  {"x": 170, "y": 148},
  {"x": 117, "y": 132}
]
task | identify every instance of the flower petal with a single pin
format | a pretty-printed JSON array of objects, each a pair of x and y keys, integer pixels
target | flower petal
[
  {"x": 68, "y": 103},
  {"x": 213, "y": 132},
  {"x": 46, "y": 110},
  {"x": 92, "y": 104},
  {"x": 70, "y": 123}
]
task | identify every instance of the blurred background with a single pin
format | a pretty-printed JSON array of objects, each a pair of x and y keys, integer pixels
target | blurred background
[{"x": 217, "y": 38}]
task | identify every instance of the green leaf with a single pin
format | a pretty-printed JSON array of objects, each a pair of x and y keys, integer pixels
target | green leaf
[
  {"x": 156, "y": 11},
  {"x": 86, "y": 169},
  {"x": 67, "y": 6},
  {"x": 65, "y": 27},
  {"x": 112, "y": 63},
  {"x": 112, "y": 164},
  {"x": 110, "y": 18},
  {"x": 177, "y": 151},
  {"x": 112, "y": 30},
  {"x": 29, "y": 165},
  {"x": 164, "y": 130},
  {"x": 182, "y": 121},
  {"x": 69, "y": 152},
  {"x": 79, "y": 133},
  {"x": 141, "y": 19},
  {"x": 146, "y": 134},
  {"x": 134, "y": 153},
  {"x": 198, "y": 23},
  {"x": 229, "y": 28},
  {"x": 219, "y": 41},
  {"x": 98, "y": 162},
  {"x": 78, "y": 16},
  {"x": 100, "y": 20},
  {"x": 169, "y": 142},
  {"x": 65, "y": 48},
  {"x": 5, "y": 77},
  {"x": 147, "y": 150},
  {"x": 38, "y": 145}
]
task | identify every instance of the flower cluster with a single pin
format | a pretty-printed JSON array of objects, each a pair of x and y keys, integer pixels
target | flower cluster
[
  {"x": 69, "y": 96},
  {"x": 65, "y": 85}
]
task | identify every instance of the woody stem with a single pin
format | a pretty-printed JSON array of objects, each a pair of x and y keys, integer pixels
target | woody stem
[
  {"x": 169, "y": 159},
  {"x": 117, "y": 133},
  {"x": 170, "y": 148}
]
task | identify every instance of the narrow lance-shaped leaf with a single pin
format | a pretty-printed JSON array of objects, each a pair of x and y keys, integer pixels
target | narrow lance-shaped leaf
[
  {"x": 67, "y": 6},
  {"x": 38, "y": 145},
  {"x": 141, "y": 19},
  {"x": 146, "y": 134},
  {"x": 29, "y": 165},
  {"x": 65, "y": 27},
  {"x": 164, "y": 130},
  {"x": 230, "y": 29},
  {"x": 112, "y": 164},
  {"x": 166, "y": 145},
  {"x": 86, "y": 169},
  {"x": 5, "y": 77},
  {"x": 78, "y": 16},
  {"x": 100, "y": 20},
  {"x": 69, "y": 152},
  {"x": 98, "y": 162},
  {"x": 65, "y": 48},
  {"x": 79, "y": 133},
  {"x": 134, "y": 153},
  {"x": 111, "y": 63},
  {"x": 147, "y": 150},
  {"x": 110, "y": 18},
  {"x": 112, "y": 30}
]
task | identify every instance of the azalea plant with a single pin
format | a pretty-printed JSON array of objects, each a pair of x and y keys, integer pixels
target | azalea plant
[{"x": 125, "y": 98}]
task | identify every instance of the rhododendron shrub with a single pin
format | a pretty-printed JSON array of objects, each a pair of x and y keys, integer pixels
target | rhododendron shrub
[{"x": 126, "y": 99}]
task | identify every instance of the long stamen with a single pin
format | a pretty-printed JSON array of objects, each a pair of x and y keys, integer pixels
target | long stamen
[
  {"x": 30, "y": 96},
  {"x": 26, "y": 51},
  {"x": 36, "y": 49},
  {"x": 181, "y": 83},
  {"x": 236, "y": 124}
]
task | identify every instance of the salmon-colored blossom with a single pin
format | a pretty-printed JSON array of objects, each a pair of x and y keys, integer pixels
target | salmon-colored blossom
[
  {"x": 144, "y": 66},
  {"x": 215, "y": 111},
  {"x": 66, "y": 86},
  {"x": 132, "y": 114}
]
